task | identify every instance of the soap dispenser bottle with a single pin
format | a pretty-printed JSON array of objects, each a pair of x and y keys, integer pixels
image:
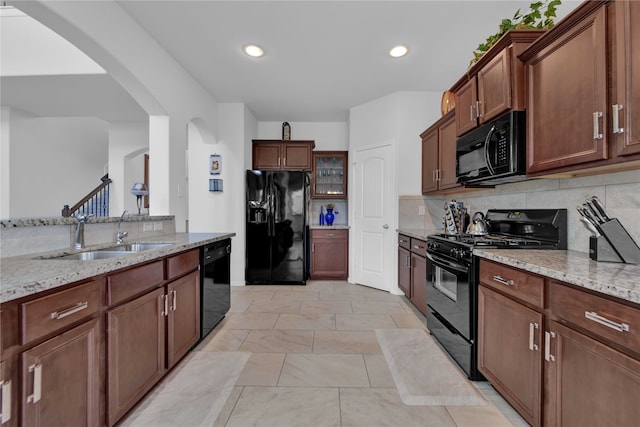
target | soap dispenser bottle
[{"x": 321, "y": 219}]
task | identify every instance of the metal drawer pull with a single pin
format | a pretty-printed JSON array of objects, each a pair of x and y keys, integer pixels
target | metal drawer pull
[
  {"x": 471, "y": 118},
  {"x": 408, "y": 261},
  {"x": 502, "y": 280},
  {"x": 532, "y": 328},
  {"x": 616, "y": 118},
  {"x": 330, "y": 235},
  {"x": 6, "y": 402},
  {"x": 592, "y": 315},
  {"x": 174, "y": 300},
  {"x": 165, "y": 305},
  {"x": 547, "y": 346},
  {"x": 478, "y": 105},
  {"x": 596, "y": 125},
  {"x": 37, "y": 383},
  {"x": 68, "y": 312}
]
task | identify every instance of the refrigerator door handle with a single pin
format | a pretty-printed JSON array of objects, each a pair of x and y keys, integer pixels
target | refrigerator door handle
[{"x": 271, "y": 226}]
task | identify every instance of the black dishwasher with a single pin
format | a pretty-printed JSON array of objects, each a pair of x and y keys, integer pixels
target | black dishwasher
[{"x": 215, "y": 282}]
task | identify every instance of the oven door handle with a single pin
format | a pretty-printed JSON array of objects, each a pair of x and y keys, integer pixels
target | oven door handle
[
  {"x": 487, "y": 158},
  {"x": 447, "y": 264}
]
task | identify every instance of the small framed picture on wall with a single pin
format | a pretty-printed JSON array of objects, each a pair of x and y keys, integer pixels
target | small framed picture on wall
[{"x": 215, "y": 164}]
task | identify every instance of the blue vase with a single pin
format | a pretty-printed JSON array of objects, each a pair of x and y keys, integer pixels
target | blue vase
[{"x": 328, "y": 217}]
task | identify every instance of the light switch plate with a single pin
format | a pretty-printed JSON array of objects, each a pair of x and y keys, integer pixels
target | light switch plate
[
  {"x": 421, "y": 210},
  {"x": 147, "y": 226},
  {"x": 157, "y": 225}
]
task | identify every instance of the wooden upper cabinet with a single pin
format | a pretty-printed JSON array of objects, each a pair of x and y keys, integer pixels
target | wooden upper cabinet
[
  {"x": 282, "y": 155},
  {"x": 625, "y": 105},
  {"x": 495, "y": 84},
  {"x": 583, "y": 110},
  {"x": 567, "y": 106},
  {"x": 329, "y": 174},
  {"x": 439, "y": 155}
]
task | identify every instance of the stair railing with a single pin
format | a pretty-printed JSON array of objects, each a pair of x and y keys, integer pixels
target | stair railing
[{"x": 96, "y": 202}]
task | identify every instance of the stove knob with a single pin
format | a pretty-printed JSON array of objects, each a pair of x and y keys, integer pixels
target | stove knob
[
  {"x": 454, "y": 252},
  {"x": 432, "y": 245}
]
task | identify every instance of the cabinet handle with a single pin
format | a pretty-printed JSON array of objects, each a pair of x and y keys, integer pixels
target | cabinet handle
[
  {"x": 616, "y": 118},
  {"x": 532, "y": 345},
  {"x": 408, "y": 261},
  {"x": 478, "y": 105},
  {"x": 437, "y": 175},
  {"x": 71, "y": 310},
  {"x": 165, "y": 305},
  {"x": 284, "y": 162},
  {"x": 330, "y": 235},
  {"x": 403, "y": 241},
  {"x": 6, "y": 402},
  {"x": 278, "y": 161},
  {"x": 37, "y": 383},
  {"x": 547, "y": 346},
  {"x": 471, "y": 117},
  {"x": 313, "y": 247},
  {"x": 592, "y": 315},
  {"x": 596, "y": 125},
  {"x": 174, "y": 300},
  {"x": 502, "y": 280}
]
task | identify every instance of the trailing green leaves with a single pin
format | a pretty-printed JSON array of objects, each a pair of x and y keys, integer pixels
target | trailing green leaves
[{"x": 541, "y": 16}]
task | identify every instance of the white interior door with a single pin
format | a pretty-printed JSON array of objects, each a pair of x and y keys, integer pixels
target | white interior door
[{"x": 373, "y": 229}]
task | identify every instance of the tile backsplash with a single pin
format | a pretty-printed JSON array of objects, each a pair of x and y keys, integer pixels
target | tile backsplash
[{"x": 620, "y": 193}]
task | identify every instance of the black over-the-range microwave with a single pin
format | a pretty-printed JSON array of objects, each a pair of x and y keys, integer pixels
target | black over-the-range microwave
[{"x": 494, "y": 153}]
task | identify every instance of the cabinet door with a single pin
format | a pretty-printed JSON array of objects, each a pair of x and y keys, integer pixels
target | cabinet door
[
  {"x": 447, "y": 155},
  {"x": 404, "y": 271},
  {"x": 266, "y": 156},
  {"x": 296, "y": 156},
  {"x": 329, "y": 174},
  {"x": 419, "y": 282},
  {"x": 8, "y": 395},
  {"x": 61, "y": 379},
  {"x": 184, "y": 316},
  {"x": 466, "y": 115},
  {"x": 589, "y": 383},
  {"x": 429, "y": 161},
  {"x": 509, "y": 357},
  {"x": 626, "y": 103},
  {"x": 330, "y": 255},
  {"x": 135, "y": 351},
  {"x": 567, "y": 106},
  {"x": 494, "y": 87}
]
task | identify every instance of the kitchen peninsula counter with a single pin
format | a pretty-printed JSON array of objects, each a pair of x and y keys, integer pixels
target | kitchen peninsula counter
[
  {"x": 24, "y": 275},
  {"x": 573, "y": 267}
]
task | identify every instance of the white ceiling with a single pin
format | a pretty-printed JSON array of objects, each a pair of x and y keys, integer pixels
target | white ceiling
[{"x": 322, "y": 57}]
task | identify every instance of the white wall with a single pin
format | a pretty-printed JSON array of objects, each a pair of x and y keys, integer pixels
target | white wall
[
  {"x": 327, "y": 135},
  {"x": 127, "y": 144},
  {"x": 61, "y": 158},
  {"x": 5, "y": 162}
]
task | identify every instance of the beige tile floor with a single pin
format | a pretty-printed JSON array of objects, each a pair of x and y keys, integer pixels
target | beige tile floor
[{"x": 314, "y": 360}]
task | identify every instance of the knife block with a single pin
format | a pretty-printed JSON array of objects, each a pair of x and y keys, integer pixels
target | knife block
[{"x": 614, "y": 245}]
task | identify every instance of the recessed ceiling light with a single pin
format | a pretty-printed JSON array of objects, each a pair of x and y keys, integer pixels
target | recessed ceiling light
[
  {"x": 398, "y": 51},
  {"x": 253, "y": 50}
]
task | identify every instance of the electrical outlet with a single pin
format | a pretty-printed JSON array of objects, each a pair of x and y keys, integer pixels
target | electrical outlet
[
  {"x": 421, "y": 210},
  {"x": 147, "y": 226},
  {"x": 157, "y": 225}
]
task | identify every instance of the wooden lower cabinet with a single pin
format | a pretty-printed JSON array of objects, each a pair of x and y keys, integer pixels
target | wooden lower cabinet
[
  {"x": 60, "y": 379},
  {"x": 589, "y": 383},
  {"x": 509, "y": 336},
  {"x": 135, "y": 351},
  {"x": 412, "y": 270},
  {"x": 183, "y": 320},
  {"x": 330, "y": 254}
]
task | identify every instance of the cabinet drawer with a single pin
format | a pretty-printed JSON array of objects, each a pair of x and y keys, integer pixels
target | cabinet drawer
[
  {"x": 419, "y": 247},
  {"x": 329, "y": 234},
  {"x": 183, "y": 263},
  {"x": 404, "y": 241},
  {"x": 48, "y": 314},
  {"x": 121, "y": 286},
  {"x": 517, "y": 283},
  {"x": 602, "y": 317}
]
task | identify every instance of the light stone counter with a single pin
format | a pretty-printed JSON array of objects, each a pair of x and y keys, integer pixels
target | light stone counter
[
  {"x": 328, "y": 227},
  {"x": 25, "y": 275},
  {"x": 419, "y": 233},
  {"x": 618, "y": 280}
]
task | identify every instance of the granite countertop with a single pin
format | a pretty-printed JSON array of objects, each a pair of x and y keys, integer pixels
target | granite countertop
[
  {"x": 25, "y": 275},
  {"x": 328, "y": 227},
  {"x": 419, "y": 233},
  {"x": 615, "y": 279}
]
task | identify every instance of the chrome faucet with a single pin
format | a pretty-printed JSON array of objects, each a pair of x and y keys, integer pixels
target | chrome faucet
[
  {"x": 120, "y": 235},
  {"x": 79, "y": 237}
]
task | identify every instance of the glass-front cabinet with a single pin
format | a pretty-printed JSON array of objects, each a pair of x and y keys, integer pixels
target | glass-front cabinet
[{"x": 329, "y": 174}]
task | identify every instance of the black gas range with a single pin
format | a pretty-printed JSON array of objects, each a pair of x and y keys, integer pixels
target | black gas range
[{"x": 452, "y": 273}]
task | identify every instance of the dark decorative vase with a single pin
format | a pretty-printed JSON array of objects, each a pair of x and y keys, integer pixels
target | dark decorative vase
[{"x": 328, "y": 217}]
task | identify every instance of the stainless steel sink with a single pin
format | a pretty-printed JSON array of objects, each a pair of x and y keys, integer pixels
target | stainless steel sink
[
  {"x": 111, "y": 252},
  {"x": 136, "y": 247},
  {"x": 90, "y": 255}
]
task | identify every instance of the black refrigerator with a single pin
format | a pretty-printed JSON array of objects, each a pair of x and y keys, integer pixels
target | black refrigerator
[{"x": 276, "y": 227}]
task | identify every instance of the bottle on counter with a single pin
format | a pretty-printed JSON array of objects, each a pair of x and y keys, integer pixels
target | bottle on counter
[{"x": 321, "y": 219}]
